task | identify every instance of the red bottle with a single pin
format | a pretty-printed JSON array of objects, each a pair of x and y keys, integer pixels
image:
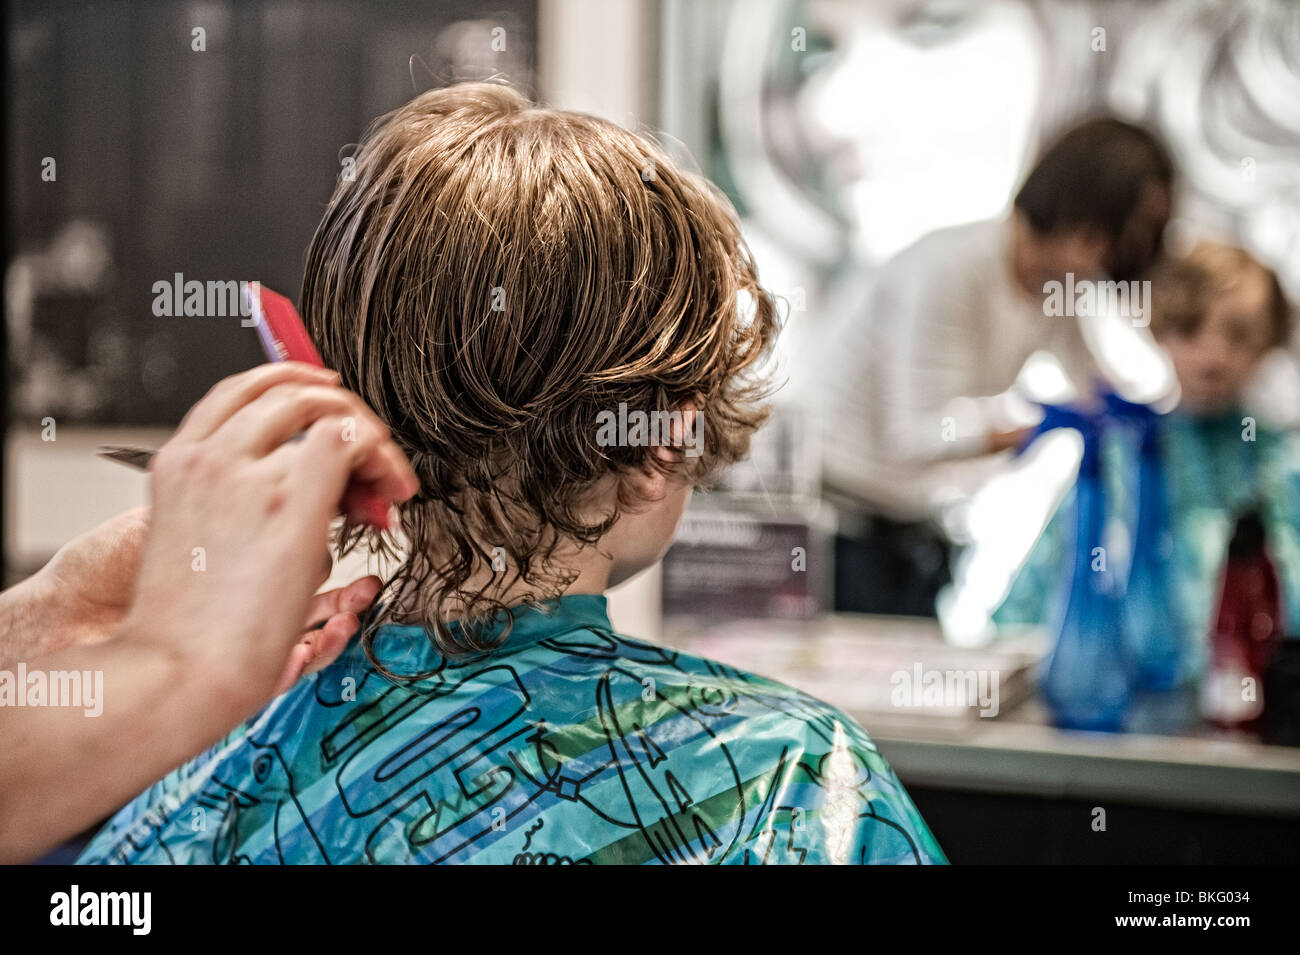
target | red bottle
[{"x": 1247, "y": 629}]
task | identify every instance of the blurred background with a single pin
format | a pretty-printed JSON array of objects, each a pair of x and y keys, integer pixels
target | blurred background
[{"x": 166, "y": 142}]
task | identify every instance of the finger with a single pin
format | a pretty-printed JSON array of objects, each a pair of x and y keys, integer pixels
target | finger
[
  {"x": 330, "y": 641},
  {"x": 388, "y": 473},
  {"x": 294, "y": 667},
  {"x": 287, "y": 410},
  {"x": 369, "y": 454},
  {"x": 354, "y": 598},
  {"x": 318, "y": 649},
  {"x": 321, "y": 464},
  {"x": 231, "y": 394}
]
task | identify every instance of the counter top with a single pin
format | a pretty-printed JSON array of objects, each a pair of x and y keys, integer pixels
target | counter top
[{"x": 1169, "y": 758}]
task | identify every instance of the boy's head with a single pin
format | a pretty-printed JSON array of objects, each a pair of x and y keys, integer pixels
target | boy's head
[
  {"x": 1217, "y": 311},
  {"x": 1097, "y": 201},
  {"x": 500, "y": 283}
]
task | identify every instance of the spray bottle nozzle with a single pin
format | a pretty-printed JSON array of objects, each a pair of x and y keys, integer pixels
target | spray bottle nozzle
[
  {"x": 1087, "y": 423},
  {"x": 1248, "y": 536}
]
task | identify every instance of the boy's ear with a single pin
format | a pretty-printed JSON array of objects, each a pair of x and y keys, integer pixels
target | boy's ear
[
  {"x": 683, "y": 441},
  {"x": 647, "y": 485},
  {"x": 686, "y": 433}
]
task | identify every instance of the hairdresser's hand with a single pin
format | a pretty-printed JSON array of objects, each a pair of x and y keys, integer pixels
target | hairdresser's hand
[
  {"x": 1008, "y": 440},
  {"x": 333, "y": 619},
  {"x": 234, "y": 551},
  {"x": 241, "y": 518},
  {"x": 82, "y": 596}
]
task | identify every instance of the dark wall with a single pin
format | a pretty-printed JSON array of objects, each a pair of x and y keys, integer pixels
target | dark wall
[{"x": 214, "y": 164}]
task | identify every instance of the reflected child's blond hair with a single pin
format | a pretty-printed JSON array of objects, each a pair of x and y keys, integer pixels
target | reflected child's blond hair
[{"x": 1182, "y": 288}]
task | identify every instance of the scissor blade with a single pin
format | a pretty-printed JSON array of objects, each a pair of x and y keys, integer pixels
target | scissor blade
[{"x": 125, "y": 454}]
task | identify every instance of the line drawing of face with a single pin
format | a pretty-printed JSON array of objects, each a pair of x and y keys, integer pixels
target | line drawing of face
[{"x": 923, "y": 113}]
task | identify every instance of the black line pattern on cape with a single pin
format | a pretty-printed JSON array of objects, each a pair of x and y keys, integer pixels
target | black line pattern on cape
[{"x": 428, "y": 792}]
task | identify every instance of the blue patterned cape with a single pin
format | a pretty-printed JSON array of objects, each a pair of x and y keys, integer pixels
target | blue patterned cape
[{"x": 569, "y": 744}]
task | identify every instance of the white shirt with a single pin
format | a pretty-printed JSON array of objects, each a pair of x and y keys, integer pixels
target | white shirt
[{"x": 915, "y": 387}]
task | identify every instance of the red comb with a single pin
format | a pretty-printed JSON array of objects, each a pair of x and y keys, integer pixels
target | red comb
[{"x": 284, "y": 338}]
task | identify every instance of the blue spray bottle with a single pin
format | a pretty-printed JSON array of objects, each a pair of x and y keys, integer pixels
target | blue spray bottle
[
  {"x": 1087, "y": 682},
  {"x": 1150, "y": 624}
]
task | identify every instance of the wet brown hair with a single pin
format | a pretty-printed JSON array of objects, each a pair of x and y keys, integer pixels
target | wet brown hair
[
  {"x": 1181, "y": 289},
  {"x": 495, "y": 277}
]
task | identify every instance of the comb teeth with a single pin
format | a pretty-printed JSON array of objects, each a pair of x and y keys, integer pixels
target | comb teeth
[{"x": 278, "y": 326}]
